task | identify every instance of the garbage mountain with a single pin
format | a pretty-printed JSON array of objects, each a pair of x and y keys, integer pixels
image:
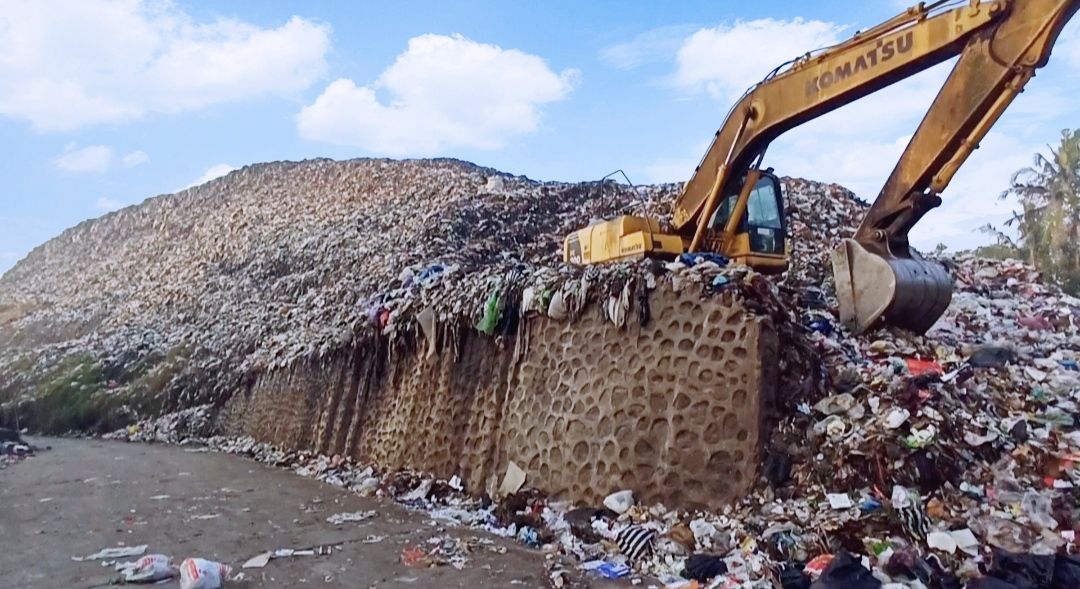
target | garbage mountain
[
  {"x": 171, "y": 302},
  {"x": 930, "y": 455},
  {"x": 174, "y": 302}
]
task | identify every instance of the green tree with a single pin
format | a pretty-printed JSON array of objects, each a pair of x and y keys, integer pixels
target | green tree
[
  {"x": 1003, "y": 248},
  {"x": 1048, "y": 222}
]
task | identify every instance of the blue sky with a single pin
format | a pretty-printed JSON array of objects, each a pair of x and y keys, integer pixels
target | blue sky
[{"x": 103, "y": 104}]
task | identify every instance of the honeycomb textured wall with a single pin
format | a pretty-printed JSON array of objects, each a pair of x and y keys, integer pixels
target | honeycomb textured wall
[{"x": 672, "y": 410}]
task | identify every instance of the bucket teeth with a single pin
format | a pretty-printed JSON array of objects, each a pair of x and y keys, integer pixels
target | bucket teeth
[{"x": 910, "y": 293}]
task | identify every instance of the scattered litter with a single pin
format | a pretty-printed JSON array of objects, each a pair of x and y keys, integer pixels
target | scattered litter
[
  {"x": 815, "y": 567},
  {"x": 197, "y": 573},
  {"x": 704, "y": 567},
  {"x": 257, "y": 562},
  {"x": 260, "y": 560},
  {"x": 608, "y": 570},
  {"x": 839, "y": 501},
  {"x": 420, "y": 492},
  {"x": 619, "y": 502},
  {"x": 941, "y": 541},
  {"x": 896, "y": 417},
  {"x": 636, "y": 542},
  {"x": 354, "y": 516},
  {"x": 121, "y": 552},
  {"x": 414, "y": 557},
  {"x": 513, "y": 480},
  {"x": 148, "y": 569}
]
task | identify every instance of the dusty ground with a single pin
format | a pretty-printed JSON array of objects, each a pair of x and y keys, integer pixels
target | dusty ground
[{"x": 85, "y": 495}]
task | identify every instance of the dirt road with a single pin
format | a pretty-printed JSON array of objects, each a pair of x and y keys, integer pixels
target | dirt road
[{"x": 85, "y": 495}]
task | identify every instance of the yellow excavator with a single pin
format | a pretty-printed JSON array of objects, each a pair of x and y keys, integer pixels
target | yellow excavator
[{"x": 733, "y": 207}]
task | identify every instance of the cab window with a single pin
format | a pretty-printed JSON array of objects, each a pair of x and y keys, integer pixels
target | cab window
[
  {"x": 764, "y": 218},
  {"x": 763, "y": 206},
  {"x": 723, "y": 212}
]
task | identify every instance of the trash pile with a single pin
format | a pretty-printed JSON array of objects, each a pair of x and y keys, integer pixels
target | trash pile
[
  {"x": 446, "y": 550},
  {"x": 193, "y": 573},
  {"x": 187, "y": 424},
  {"x": 279, "y": 263},
  {"x": 180, "y": 300},
  {"x": 894, "y": 460},
  {"x": 13, "y": 448},
  {"x": 916, "y": 461}
]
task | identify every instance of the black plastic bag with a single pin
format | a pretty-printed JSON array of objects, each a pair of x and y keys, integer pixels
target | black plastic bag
[
  {"x": 846, "y": 572},
  {"x": 703, "y": 567},
  {"x": 1023, "y": 571}
]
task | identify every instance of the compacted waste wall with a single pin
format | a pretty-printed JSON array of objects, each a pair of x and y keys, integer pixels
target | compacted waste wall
[{"x": 673, "y": 409}]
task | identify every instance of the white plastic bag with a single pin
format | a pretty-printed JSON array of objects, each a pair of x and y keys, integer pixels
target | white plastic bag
[
  {"x": 197, "y": 573},
  {"x": 150, "y": 568},
  {"x": 620, "y": 501}
]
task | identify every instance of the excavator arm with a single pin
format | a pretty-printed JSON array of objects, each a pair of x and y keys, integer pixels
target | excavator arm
[
  {"x": 877, "y": 275},
  {"x": 879, "y": 278}
]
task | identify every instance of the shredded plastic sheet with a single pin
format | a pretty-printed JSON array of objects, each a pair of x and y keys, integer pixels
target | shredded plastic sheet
[{"x": 108, "y": 553}]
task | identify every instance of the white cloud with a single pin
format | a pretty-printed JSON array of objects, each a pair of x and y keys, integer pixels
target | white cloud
[
  {"x": 214, "y": 171},
  {"x": 971, "y": 200},
  {"x": 135, "y": 158},
  {"x": 108, "y": 204},
  {"x": 96, "y": 158},
  {"x": 92, "y": 158},
  {"x": 727, "y": 59},
  {"x": 65, "y": 64},
  {"x": 1068, "y": 45},
  {"x": 442, "y": 92},
  {"x": 860, "y": 165},
  {"x": 855, "y": 145},
  {"x": 652, "y": 46}
]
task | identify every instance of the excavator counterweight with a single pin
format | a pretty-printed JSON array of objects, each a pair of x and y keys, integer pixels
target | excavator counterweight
[{"x": 733, "y": 207}]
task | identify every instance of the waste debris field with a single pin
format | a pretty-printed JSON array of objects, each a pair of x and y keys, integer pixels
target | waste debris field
[{"x": 83, "y": 496}]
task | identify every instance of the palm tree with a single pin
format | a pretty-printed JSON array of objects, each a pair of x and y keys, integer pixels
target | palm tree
[{"x": 1049, "y": 220}]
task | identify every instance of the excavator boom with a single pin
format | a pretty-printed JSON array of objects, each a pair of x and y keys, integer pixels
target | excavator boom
[
  {"x": 725, "y": 206},
  {"x": 732, "y": 206},
  {"x": 879, "y": 278},
  {"x": 994, "y": 66},
  {"x": 818, "y": 84}
]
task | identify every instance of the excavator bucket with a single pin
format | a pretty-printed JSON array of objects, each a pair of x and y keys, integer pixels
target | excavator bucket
[{"x": 906, "y": 292}]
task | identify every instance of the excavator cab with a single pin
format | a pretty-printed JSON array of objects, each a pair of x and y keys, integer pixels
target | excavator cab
[{"x": 758, "y": 238}]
